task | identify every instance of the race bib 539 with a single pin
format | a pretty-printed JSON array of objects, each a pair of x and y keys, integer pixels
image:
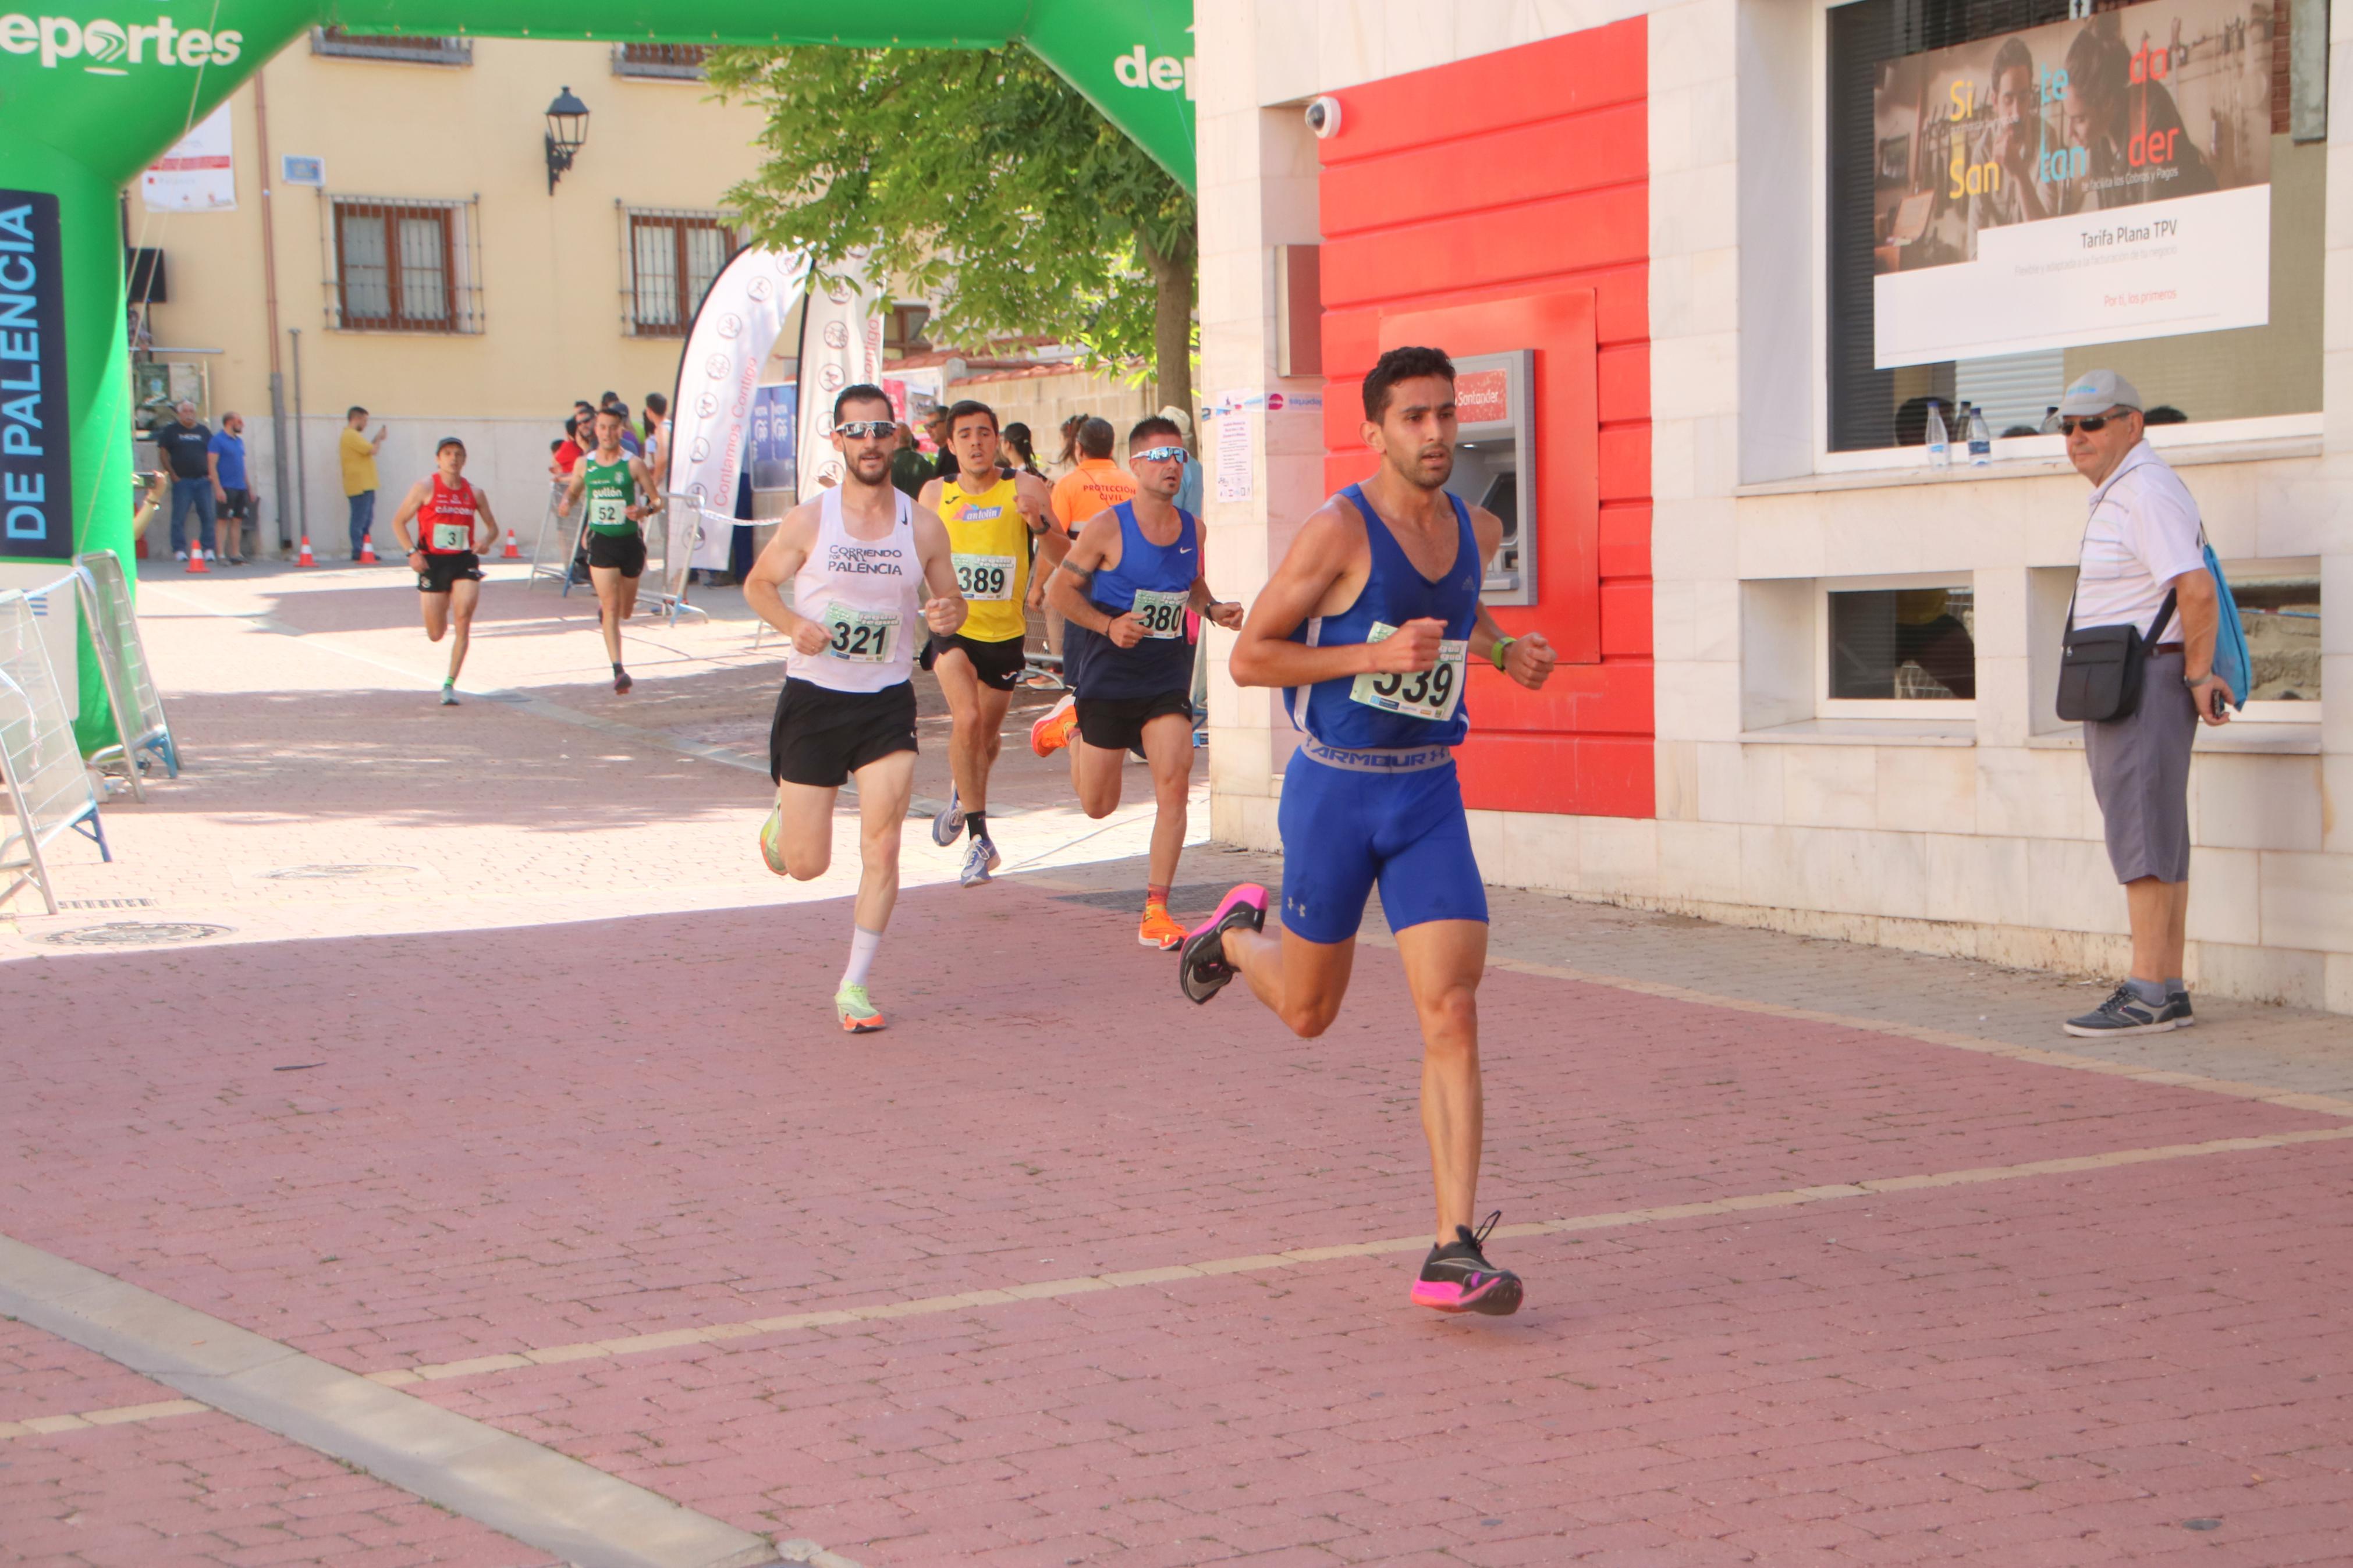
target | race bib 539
[{"x": 1429, "y": 693}]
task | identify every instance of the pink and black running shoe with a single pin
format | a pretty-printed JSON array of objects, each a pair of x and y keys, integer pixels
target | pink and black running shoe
[
  {"x": 1202, "y": 970},
  {"x": 1457, "y": 1277}
]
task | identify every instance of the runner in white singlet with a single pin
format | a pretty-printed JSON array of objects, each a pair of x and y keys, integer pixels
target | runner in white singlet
[{"x": 872, "y": 574}]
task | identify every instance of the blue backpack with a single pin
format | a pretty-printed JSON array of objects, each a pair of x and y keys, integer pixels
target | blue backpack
[{"x": 2230, "y": 660}]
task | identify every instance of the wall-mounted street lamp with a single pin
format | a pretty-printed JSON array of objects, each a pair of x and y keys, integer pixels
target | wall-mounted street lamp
[{"x": 568, "y": 132}]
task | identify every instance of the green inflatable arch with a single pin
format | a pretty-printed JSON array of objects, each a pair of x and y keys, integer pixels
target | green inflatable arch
[{"x": 93, "y": 91}]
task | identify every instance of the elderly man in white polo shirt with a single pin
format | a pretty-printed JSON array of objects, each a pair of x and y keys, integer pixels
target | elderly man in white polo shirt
[{"x": 2144, "y": 564}]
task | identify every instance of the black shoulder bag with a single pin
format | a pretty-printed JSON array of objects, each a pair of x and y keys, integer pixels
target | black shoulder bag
[{"x": 2101, "y": 671}]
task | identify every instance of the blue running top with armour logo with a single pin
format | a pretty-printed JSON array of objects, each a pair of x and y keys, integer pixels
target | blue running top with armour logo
[
  {"x": 1154, "y": 583},
  {"x": 1424, "y": 708}
]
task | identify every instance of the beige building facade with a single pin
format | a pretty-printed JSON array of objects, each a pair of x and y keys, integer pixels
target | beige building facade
[{"x": 431, "y": 274}]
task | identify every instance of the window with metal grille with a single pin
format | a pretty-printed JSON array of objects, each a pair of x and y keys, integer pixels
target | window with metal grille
[
  {"x": 402, "y": 267},
  {"x": 673, "y": 257},
  {"x": 680, "y": 62},
  {"x": 415, "y": 50}
]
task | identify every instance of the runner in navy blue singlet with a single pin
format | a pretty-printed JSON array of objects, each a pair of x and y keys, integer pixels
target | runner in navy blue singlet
[
  {"x": 1125, "y": 591},
  {"x": 1371, "y": 624}
]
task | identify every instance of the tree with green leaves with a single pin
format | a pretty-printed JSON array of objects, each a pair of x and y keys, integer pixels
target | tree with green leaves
[{"x": 981, "y": 180}]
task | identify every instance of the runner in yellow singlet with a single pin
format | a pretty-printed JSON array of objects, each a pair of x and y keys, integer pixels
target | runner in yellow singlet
[{"x": 993, "y": 512}]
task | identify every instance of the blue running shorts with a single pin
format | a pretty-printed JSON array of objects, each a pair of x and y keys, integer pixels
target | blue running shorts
[{"x": 1345, "y": 829}]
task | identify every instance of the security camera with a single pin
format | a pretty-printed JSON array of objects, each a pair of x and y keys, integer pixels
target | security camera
[{"x": 1324, "y": 118}]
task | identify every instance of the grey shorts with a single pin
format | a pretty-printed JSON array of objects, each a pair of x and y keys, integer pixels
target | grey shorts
[{"x": 2140, "y": 771}]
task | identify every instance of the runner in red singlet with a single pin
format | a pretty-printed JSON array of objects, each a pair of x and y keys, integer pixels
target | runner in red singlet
[{"x": 447, "y": 510}]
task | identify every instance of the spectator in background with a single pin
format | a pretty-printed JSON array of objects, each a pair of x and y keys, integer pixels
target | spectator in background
[
  {"x": 630, "y": 442},
  {"x": 657, "y": 450},
  {"x": 1188, "y": 490},
  {"x": 1095, "y": 483},
  {"x": 2143, "y": 563},
  {"x": 185, "y": 447},
  {"x": 567, "y": 452},
  {"x": 910, "y": 470},
  {"x": 232, "y": 492},
  {"x": 358, "y": 455},
  {"x": 944, "y": 458},
  {"x": 1016, "y": 437}
]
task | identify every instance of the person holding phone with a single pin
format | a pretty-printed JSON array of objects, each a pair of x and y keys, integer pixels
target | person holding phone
[{"x": 2143, "y": 563}]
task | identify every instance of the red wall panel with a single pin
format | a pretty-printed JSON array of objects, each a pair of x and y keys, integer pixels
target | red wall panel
[{"x": 1503, "y": 202}]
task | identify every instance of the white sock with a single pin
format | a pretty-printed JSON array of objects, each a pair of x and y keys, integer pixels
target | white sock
[{"x": 862, "y": 946}]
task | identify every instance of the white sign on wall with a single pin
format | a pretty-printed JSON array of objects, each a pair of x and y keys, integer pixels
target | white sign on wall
[
  {"x": 199, "y": 175},
  {"x": 2092, "y": 181}
]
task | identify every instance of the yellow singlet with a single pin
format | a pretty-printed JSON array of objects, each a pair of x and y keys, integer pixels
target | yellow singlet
[{"x": 990, "y": 543}]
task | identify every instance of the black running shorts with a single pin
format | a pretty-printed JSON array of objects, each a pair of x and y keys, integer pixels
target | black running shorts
[
  {"x": 998, "y": 664},
  {"x": 1116, "y": 723},
  {"x": 624, "y": 551},
  {"x": 442, "y": 571},
  {"x": 821, "y": 736}
]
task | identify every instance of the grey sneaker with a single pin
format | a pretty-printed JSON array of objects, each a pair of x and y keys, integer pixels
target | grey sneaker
[
  {"x": 2176, "y": 1007},
  {"x": 980, "y": 857},
  {"x": 2126, "y": 1013},
  {"x": 949, "y": 822}
]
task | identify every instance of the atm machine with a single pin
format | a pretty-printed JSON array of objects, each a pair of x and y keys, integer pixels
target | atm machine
[{"x": 1494, "y": 462}]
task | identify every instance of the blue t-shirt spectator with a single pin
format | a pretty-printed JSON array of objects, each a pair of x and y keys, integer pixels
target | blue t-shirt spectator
[
  {"x": 1188, "y": 489},
  {"x": 230, "y": 449}
]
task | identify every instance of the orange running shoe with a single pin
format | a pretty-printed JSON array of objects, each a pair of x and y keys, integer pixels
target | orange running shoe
[
  {"x": 857, "y": 1010},
  {"x": 1052, "y": 733},
  {"x": 1159, "y": 929}
]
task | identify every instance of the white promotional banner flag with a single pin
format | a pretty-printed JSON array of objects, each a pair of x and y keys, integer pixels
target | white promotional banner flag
[
  {"x": 199, "y": 175},
  {"x": 841, "y": 345},
  {"x": 735, "y": 329}
]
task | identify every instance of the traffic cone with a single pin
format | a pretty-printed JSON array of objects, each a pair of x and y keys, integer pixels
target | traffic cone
[
  {"x": 367, "y": 550},
  {"x": 306, "y": 558},
  {"x": 513, "y": 551},
  {"x": 196, "y": 562}
]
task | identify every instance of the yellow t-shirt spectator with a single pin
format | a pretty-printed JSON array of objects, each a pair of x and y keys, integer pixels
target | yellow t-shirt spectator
[{"x": 359, "y": 462}]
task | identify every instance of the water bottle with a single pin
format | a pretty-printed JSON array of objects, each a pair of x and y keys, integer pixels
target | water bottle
[
  {"x": 2051, "y": 421},
  {"x": 1980, "y": 438},
  {"x": 1940, "y": 448}
]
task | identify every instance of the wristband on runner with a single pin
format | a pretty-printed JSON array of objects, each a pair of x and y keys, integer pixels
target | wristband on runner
[{"x": 1503, "y": 646}]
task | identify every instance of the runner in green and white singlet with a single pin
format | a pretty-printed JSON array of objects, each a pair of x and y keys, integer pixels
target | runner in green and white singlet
[{"x": 612, "y": 481}]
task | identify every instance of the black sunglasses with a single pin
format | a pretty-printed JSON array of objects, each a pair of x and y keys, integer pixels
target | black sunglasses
[
  {"x": 865, "y": 429},
  {"x": 2094, "y": 423}
]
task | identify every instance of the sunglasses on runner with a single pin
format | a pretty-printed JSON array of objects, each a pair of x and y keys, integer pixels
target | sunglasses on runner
[
  {"x": 867, "y": 429},
  {"x": 2094, "y": 423},
  {"x": 1158, "y": 455}
]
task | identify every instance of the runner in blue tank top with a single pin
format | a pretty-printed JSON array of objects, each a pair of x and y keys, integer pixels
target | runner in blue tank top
[
  {"x": 1124, "y": 591},
  {"x": 1370, "y": 624}
]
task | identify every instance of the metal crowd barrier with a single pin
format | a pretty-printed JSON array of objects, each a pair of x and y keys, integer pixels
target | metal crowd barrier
[
  {"x": 554, "y": 535},
  {"x": 49, "y": 783},
  {"x": 143, "y": 731},
  {"x": 671, "y": 538}
]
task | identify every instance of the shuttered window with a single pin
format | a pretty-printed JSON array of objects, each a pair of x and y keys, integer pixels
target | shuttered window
[{"x": 673, "y": 257}]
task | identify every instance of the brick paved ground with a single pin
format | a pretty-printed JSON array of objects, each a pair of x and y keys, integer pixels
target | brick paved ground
[
  {"x": 104, "y": 1480},
  {"x": 575, "y": 1083}
]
